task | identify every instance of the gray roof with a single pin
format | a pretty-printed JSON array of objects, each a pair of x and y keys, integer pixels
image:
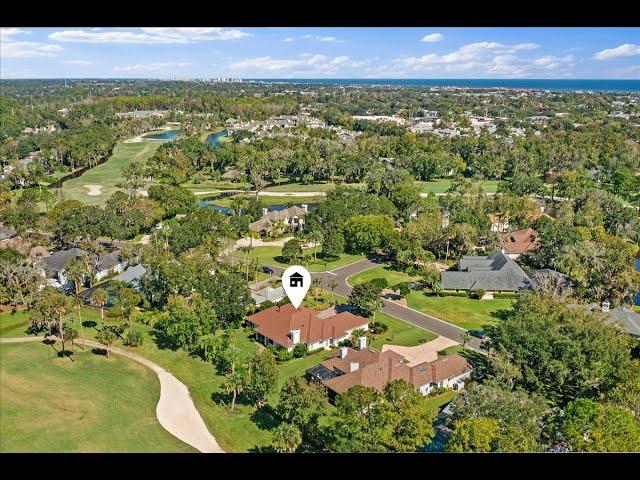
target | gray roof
[
  {"x": 493, "y": 272},
  {"x": 547, "y": 274},
  {"x": 57, "y": 261},
  {"x": 624, "y": 315},
  {"x": 131, "y": 274},
  {"x": 268, "y": 293},
  {"x": 6, "y": 232}
]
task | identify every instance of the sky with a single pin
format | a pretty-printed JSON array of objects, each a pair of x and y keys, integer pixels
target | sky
[{"x": 363, "y": 52}]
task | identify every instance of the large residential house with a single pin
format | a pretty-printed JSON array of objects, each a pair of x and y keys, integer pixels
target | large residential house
[
  {"x": 518, "y": 243},
  {"x": 290, "y": 219},
  {"x": 54, "y": 266},
  {"x": 369, "y": 367},
  {"x": 493, "y": 273},
  {"x": 285, "y": 327}
]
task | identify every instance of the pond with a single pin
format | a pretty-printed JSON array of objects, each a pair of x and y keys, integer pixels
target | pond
[
  {"x": 270, "y": 208},
  {"x": 166, "y": 135},
  {"x": 216, "y": 138}
]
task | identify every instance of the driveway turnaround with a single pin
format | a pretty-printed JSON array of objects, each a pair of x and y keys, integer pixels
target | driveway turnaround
[
  {"x": 175, "y": 410},
  {"x": 419, "y": 319}
]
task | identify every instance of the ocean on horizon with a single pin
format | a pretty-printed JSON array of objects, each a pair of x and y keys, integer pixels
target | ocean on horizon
[{"x": 585, "y": 85}]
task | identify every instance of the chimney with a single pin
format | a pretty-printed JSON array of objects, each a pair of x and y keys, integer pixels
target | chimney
[
  {"x": 343, "y": 352},
  {"x": 295, "y": 336},
  {"x": 264, "y": 211},
  {"x": 354, "y": 366},
  {"x": 305, "y": 207},
  {"x": 362, "y": 342},
  {"x": 605, "y": 306}
]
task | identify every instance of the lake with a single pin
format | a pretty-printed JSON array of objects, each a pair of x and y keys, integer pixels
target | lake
[
  {"x": 166, "y": 135},
  {"x": 216, "y": 138}
]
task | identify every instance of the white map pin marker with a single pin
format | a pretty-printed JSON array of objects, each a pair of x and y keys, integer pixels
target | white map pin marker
[{"x": 296, "y": 281}]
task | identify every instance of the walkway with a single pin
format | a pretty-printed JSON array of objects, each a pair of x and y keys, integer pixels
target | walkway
[{"x": 175, "y": 410}]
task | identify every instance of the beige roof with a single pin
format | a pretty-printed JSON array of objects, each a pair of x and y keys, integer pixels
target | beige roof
[
  {"x": 276, "y": 216},
  {"x": 425, "y": 352}
]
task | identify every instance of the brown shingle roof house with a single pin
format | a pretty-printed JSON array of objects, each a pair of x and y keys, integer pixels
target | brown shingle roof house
[
  {"x": 369, "y": 367},
  {"x": 517, "y": 243},
  {"x": 286, "y": 326}
]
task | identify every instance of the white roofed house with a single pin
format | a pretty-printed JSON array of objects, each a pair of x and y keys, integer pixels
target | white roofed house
[{"x": 290, "y": 219}]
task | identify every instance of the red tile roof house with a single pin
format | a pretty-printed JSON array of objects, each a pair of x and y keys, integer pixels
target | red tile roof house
[
  {"x": 518, "y": 243},
  {"x": 371, "y": 368},
  {"x": 285, "y": 327}
]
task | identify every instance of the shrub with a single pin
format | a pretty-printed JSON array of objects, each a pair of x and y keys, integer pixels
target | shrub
[
  {"x": 378, "y": 327},
  {"x": 283, "y": 356},
  {"x": 454, "y": 294},
  {"x": 379, "y": 283},
  {"x": 134, "y": 337},
  {"x": 300, "y": 350},
  {"x": 506, "y": 295},
  {"x": 438, "y": 391},
  {"x": 264, "y": 305},
  {"x": 479, "y": 293},
  {"x": 346, "y": 343},
  {"x": 404, "y": 289}
]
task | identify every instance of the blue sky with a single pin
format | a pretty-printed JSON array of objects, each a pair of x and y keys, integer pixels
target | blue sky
[{"x": 320, "y": 52}]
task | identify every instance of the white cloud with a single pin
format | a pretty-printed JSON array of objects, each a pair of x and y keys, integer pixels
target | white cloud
[
  {"x": 466, "y": 54},
  {"x": 434, "y": 37},
  {"x": 306, "y": 63},
  {"x": 28, "y": 49},
  {"x": 625, "y": 50},
  {"x": 151, "y": 35},
  {"x": 322, "y": 38},
  {"x": 151, "y": 67},
  {"x": 288, "y": 40},
  {"x": 77, "y": 62},
  {"x": 7, "y": 33}
]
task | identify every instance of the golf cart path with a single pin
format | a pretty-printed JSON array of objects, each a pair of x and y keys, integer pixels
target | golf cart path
[{"x": 175, "y": 410}]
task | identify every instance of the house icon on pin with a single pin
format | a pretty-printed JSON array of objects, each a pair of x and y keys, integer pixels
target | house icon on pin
[{"x": 295, "y": 280}]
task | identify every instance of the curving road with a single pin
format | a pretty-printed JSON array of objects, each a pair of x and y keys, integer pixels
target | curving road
[
  {"x": 419, "y": 319},
  {"x": 175, "y": 410}
]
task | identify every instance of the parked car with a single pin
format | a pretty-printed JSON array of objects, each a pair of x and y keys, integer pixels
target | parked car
[
  {"x": 267, "y": 269},
  {"x": 477, "y": 333}
]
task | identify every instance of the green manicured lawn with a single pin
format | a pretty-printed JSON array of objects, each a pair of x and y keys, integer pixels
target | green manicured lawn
[
  {"x": 95, "y": 404},
  {"x": 441, "y": 186},
  {"x": 109, "y": 174},
  {"x": 381, "y": 271},
  {"x": 314, "y": 187},
  {"x": 437, "y": 402},
  {"x": 16, "y": 324},
  {"x": 271, "y": 256},
  {"x": 400, "y": 333},
  {"x": 462, "y": 311},
  {"x": 267, "y": 200}
]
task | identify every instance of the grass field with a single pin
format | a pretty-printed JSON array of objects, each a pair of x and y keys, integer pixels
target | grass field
[
  {"x": 247, "y": 429},
  {"x": 109, "y": 174},
  {"x": 465, "y": 312},
  {"x": 314, "y": 187},
  {"x": 50, "y": 404},
  {"x": 400, "y": 333},
  {"x": 381, "y": 271},
  {"x": 441, "y": 186},
  {"x": 271, "y": 256}
]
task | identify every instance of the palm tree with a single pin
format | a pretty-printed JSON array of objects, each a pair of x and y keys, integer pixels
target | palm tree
[
  {"x": 332, "y": 285},
  {"x": 77, "y": 303},
  {"x": 234, "y": 382},
  {"x": 75, "y": 271},
  {"x": 107, "y": 337},
  {"x": 465, "y": 339},
  {"x": 286, "y": 438},
  {"x": 100, "y": 297}
]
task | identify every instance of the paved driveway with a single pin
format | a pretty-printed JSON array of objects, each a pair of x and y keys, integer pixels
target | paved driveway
[{"x": 419, "y": 319}]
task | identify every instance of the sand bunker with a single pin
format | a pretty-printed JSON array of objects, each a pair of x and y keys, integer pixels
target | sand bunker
[{"x": 94, "y": 190}]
